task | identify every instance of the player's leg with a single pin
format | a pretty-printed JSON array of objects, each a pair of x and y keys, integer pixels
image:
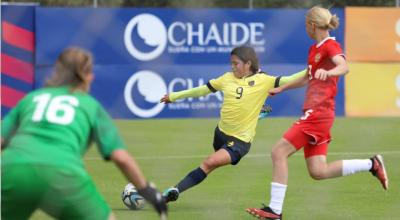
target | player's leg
[
  {"x": 232, "y": 151},
  {"x": 319, "y": 169},
  {"x": 21, "y": 191},
  {"x": 293, "y": 140},
  {"x": 280, "y": 153},
  {"x": 215, "y": 160},
  {"x": 73, "y": 195},
  {"x": 196, "y": 176},
  {"x": 317, "y": 166},
  {"x": 228, "y": 150}
]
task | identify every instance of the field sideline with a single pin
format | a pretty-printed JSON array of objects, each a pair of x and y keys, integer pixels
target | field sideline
[{"x": 168, "y": 149}]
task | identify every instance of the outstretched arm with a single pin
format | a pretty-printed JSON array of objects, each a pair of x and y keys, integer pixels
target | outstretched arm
[
  {"x": 129, "y": 167},
  {"x": 280, "y": 81},
  {"x": 288, "y": 79},
  {"x": 195, "y": 92},
  {"x": 296, "y": 80}
]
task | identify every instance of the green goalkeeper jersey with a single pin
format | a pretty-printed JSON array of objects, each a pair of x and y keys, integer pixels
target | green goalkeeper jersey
[{"x": 55, "y": 126}]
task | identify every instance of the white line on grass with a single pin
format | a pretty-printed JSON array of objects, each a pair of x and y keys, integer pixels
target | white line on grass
[{"x": 175, "y": 157}]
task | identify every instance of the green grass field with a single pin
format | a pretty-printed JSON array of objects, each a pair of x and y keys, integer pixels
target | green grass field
[{"x": 168, "y": 149}]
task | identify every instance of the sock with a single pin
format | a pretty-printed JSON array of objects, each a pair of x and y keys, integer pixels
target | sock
[
  {"x": 277, "y": 196},
  {"x": 354, "y": 166},
  {"x": 193, "y": 178}
]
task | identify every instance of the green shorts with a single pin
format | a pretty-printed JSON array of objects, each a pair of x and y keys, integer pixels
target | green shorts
[{"x": 62, "y": 192}]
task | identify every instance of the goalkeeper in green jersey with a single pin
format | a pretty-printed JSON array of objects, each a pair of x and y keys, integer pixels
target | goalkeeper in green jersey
[
  {"x": 43, "y": 140},
  {"x": 245, "y": 89}
]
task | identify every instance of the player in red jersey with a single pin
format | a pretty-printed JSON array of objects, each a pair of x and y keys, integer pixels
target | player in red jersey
[{"x": 326, "y": 63}]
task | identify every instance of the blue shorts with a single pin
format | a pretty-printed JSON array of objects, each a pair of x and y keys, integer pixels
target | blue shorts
[{"x": 235, "y": 147}]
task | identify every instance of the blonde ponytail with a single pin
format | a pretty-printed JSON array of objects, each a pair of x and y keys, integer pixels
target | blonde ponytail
[
  {"x": 322, "y": 18},
  {"x": 333, "y": 23}
]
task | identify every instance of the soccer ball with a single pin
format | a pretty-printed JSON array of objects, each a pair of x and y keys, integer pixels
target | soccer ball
[{"x": 131, "y": 198}]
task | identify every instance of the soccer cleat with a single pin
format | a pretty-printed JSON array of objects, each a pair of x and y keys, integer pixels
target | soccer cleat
[
  {"x": 379, "y": 171},
  {"x": 264, "y": 213},
  {"x": 171, "y": 194},
  {"x": 265, "y": 111}
]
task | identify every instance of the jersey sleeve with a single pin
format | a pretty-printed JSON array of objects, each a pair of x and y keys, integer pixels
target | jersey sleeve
[
  {"x": 11, "y": 121},
  {"x": 106, "y": 135},
  {"x": 282, "y": 80},
  {"x": 216, "y": 84},
  {"x": 10, "y": 124},
  {"x": 334, "y": 49},
  {"x": 194, "y": 92}
]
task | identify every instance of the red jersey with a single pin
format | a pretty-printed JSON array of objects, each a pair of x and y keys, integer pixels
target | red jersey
[{"x": 321, "y": 94}]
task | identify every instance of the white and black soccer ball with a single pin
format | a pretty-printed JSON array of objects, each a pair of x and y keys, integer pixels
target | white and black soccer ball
[{"x": 131, "y": 198}]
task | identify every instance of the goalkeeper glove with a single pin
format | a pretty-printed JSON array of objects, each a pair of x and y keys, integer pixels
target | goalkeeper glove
[{"x": 153, "y": 196}]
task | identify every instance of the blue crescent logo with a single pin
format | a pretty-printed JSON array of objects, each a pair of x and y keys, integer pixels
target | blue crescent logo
[
  {"x": 145, "y": 37},
  {"x": 142, "y": 93}
]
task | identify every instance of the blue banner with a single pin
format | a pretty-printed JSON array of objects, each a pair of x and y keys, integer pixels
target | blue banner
[
  {"x": 142, "y": 54},
  {"x": 166, "y": 36}
]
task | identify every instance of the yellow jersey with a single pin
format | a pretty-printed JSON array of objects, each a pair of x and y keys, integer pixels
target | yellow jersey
[{"x": 243, "y": 99}]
